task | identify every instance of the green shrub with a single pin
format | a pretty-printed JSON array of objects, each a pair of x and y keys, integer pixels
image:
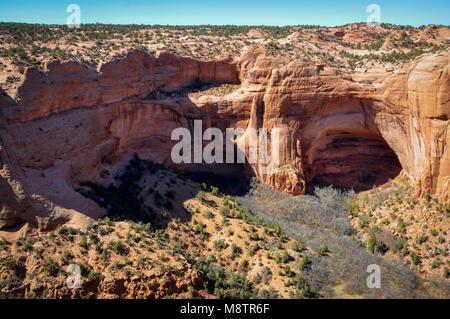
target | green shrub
[
  {"x": 415, "y": 258},
  {"x": 285, "y": 257},
  {"x": 215, "y": 190},
  {"x": 83, "y": 243},
  {"x": 95, "y": 275},
  {"x": 118, "y": 247},
  {"x": 235, "y": 251},
  {"x": 352, "y": 207},
  {"x": 27, "y": 246},
  {"x": 298, "y": 247},
  {"x": 225, "y": 211},
  {"x": 63, "y": 231},
  {"x": 208, "y": 214},
  {"x": 200, "y": 196},
  {"x": 220, "y": 244},
  {"x": 372, "y": 243},
  {"x": 3, "y": 243},
  {"x": 401, "y": 226},
  {"x": 51, "y": 267},
  {"x": 303, "y": 263},
  {"x": 322, "y": 250},
  {"x": 18, "y": 268},
  {"x": 421, "y": 239},
  {"x": 436, "y": 263},
  {"x": 67, "y": 256},
  {"x": 244, "y": 264},
  {"x": 253, "y": 249},
  {"x": 288, "y": 272},
  {"x": 127, "y": 272}
]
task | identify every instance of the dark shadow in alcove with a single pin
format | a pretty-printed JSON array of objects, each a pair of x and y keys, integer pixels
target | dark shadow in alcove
[
  {"x": 348, "y": 161},
  {"x": 124, "y": 199},
  {"x": 231, "y": 179}
]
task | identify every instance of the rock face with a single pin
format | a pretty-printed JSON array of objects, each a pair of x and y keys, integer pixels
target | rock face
[
  {"x": 72, "y": 123},
  {"x": 155, "y": 285}
]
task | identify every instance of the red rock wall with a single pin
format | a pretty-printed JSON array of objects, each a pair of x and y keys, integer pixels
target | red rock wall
[{"x": 71, "y": 122}]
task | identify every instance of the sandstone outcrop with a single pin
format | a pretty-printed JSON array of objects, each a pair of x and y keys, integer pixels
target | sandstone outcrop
[{"x": 73, "y": 123}]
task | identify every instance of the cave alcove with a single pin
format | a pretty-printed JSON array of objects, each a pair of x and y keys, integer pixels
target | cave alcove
[{"x": 351, "y": 158}]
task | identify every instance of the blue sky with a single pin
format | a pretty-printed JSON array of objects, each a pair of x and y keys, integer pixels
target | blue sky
[{"x": 240, "y": 12}]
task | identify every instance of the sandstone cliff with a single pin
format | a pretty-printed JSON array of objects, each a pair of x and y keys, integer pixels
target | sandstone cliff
[{"x": 73, "y": 123}]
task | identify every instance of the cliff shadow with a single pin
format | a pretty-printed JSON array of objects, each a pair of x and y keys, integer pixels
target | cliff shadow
[
  {"x": 346, "y": 150},
  {"x": 151, "y": 193},
  {"x": 144, "y": 192}
]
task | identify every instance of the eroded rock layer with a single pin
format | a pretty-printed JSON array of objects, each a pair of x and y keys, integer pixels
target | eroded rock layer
[{"x": 72, "y": 123}]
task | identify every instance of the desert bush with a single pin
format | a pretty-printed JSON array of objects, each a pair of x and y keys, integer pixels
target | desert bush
[
  {"x": 235, "y": 251},
  {"x": 200, "y": 196},
  {"x": 215, "y": 191},
  {"x": 372, "y": 243},
  {"x": 208, "y": 214},
  {"x": 67, "y": 256},
  {"x": 421, "y": 239},
  {"x": 27, "y": 245},
  {"x": 3, "y": 243},
  {"x": 303, "y": 263},
  {"x": 51, "y": 267},
  {"x": 415, "y": 258},
  {"x": 322, "y": 250},
  {"x": 118, "y": 247},
  {"x": 220, "y": 244},
  {"x": 298, "y": 247},
  {"x": 13, "y": 264}
]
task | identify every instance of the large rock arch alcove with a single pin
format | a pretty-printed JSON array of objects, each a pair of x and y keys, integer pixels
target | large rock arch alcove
[{"x": 344, "y": 148}]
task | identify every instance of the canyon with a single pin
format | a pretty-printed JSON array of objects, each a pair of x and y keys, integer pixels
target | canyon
[{"x": 72, "y": 123}]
